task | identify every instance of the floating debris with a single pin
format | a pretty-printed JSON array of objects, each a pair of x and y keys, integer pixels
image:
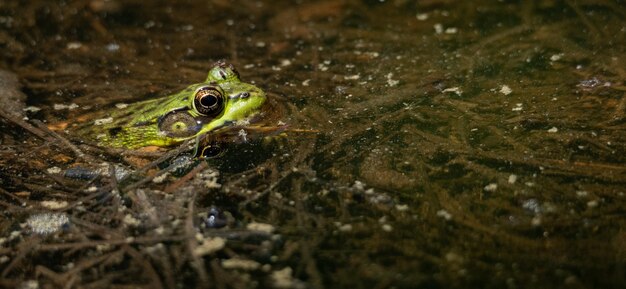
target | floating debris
[
  {"x": 54, "y": 205},
  {"x": 47, "y": 223},
  {"x": 556, "y": 57},
  {"x": 71, "y": 106},
  {"x": 209, "y": 246},
  {"x": 491, "y": 187},
  {"x": 451, "y": 30},
  {"x": 505, "y": 89},
  {"x": 283, "y": 279},
  {"x": 438, "y": 28},
  {"x": 455, "y": 90},
  {"x": 391, "y": 82},
  {"x": 553, "y": 130},
  {"x": 267, "y": 228},
  {"x": 54, "y": 170},
  {"x": 241, "y": 264},
  {"x": 444, "y": 214},
  {"x": 112, "y": 47},
  {"x": 103, "y": 121}
]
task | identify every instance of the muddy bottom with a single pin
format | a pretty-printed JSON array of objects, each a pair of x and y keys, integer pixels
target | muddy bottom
[{"x": 438, "y": 144}]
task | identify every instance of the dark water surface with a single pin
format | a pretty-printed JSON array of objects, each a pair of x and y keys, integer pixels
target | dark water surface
[{"x": 450, "y": 144}]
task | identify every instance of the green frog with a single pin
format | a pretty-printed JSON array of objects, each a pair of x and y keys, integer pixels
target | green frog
[{"x": 220, "y": 109}]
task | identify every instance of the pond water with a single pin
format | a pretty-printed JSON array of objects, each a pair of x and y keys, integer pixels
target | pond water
[{"x": 431, "y": 144}]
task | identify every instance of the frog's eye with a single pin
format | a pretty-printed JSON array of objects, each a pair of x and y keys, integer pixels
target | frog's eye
[
  {"x": 178, "y": 124},
  {"x": 208, "y": 101}
]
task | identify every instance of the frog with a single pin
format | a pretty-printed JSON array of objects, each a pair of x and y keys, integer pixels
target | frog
[{"x": 220, "y": 109}]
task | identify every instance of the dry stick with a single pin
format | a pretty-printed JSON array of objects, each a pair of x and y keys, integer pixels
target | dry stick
[
  {"x": 18, "y": 121},
  {"x": 156, "y": 281},
  {"x": 12, "y": 196},
  {"x": 196, "y": 262},
  {"x": 23, "y": 250},
  {"x": 218, "y": 275},
  {"x": 597, "y": 34},
  {"x": 62, "y": 139},
  {"x": 88, "y": 244},
  {"x": 185, "y": 178},
  {"x": 183, "y": 147},
  {"x": 305, "y": 248}
]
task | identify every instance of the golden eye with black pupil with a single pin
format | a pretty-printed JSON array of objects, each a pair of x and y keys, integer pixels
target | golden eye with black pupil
[
  {"x": 208, "y": 101},
  {"x": 178, "y": 124}
]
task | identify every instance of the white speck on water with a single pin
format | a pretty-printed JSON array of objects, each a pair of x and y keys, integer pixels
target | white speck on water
[
  {"x": 592, "y": 203},
  {"x": 31, "y": 109},
  {"x": 131, "y": 221},
  {"x": 306, "y": 82},
  {"x": 74, "y": 45},
  {"x": 491, "y": 187},
  {"x": 209, "y": 246},
  {"x": 29, "y": 284},
  {"x": 160, "y": 179},
  {"x": 58, "y": 106},
  {"x": 285, "y": 62},
  {"x": 391, "y": 82},
  {"x": 249, "y": 66},
  {"x": 282, "y": 279},
  {"x": 242, "y": 264},
  {"x": 344, "y": 227},
  {"x": 4, "y": 259},
  {"x": 121, "y": 105},
  {"x": 243, "y": 134},
  {"x": 230, "y": 22},
  {"x": 112, "y": 47},
  {"x": 444, "y": 214},
  {"x": 54, "y": 205},
  {"x": 451, "y": 30},
  {"x": 260, "y": 44},
  {"x": 352, "y": 77},
  {"x": 54, "y": 170},
  {"x": 438, "y": 28},
  {"x": 358, "y": 185},
  {"x": 387, "y": 228},
  {"x": 103, "y": 121},
  {"x": 556, "y": 57},
  {"x": 422, "y": 16},
  {"x": 267, "y": 228},
  {"x": 532, "y": 205},
  {"x": 455, "y": 90},
  {"x": 505, "y": 89},
  {"x": 581, "y": 194},
  {"x": 553, "y": 130},
  {"x": 322, "y": 67},
  {"x": 512, "y": 179},
  {"x": 518, "y": 107},
  {"x": 402, "y": 207},
  {"x": 536, "y": 221}
]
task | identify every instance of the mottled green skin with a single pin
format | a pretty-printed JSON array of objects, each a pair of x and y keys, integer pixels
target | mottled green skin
[{"x": 137, "y": 125}]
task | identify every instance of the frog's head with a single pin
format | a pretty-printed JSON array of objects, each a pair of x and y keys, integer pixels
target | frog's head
[{"x": 220, "y": 101}]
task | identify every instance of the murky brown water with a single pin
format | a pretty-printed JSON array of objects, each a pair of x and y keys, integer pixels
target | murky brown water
[{"x": 452, "y": 144}]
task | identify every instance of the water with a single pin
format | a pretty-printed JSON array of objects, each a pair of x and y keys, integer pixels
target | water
[{"x": 452, "y": 145}]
